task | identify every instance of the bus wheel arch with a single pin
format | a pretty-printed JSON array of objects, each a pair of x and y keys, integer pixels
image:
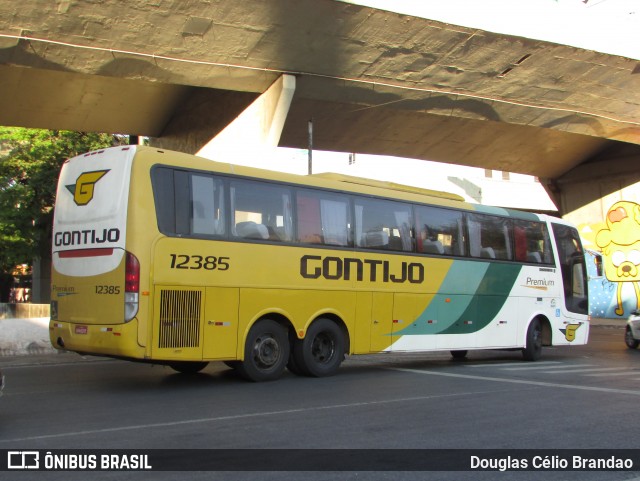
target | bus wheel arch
[
  {"x": 546, "y": 331},
  {"x": 321, "y": 352},
  {"x": 266, "y": 349}
]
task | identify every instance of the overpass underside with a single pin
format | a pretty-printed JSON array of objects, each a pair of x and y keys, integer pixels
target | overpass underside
[{"x": 372, "y": 81}]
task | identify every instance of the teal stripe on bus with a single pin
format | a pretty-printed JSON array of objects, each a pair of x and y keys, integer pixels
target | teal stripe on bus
[{"x": 463, "y": 305}]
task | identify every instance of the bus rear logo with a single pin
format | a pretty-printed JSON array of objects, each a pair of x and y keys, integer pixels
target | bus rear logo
[{"x": 82, "y": 190}]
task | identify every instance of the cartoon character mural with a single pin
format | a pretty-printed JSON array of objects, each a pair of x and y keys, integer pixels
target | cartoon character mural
[{"x": 620, "y": 244}]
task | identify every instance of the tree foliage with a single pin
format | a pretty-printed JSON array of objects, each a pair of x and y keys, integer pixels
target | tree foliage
[{"x": 30, "y": 161}]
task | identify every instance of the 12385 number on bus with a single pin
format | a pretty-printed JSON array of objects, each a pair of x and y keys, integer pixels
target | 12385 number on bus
[{"x": 208, "y": 263}]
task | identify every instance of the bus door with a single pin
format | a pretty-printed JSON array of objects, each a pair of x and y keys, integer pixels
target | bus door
[{"x": 573, "y": 270}]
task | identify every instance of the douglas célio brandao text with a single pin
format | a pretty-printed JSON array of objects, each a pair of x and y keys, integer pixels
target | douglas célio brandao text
[{"x": 550, "y": 463}]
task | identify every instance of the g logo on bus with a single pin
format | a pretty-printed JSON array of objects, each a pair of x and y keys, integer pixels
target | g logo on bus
[
  {"x": 82, "y": 190},
  {"x": 570, "y": 331}
]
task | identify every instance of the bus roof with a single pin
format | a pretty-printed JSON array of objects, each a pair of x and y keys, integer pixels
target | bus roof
[{"x": 388, "y": 185}]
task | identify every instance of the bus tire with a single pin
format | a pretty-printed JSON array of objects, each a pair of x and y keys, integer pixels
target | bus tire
[
  {"x": 533, "y": 347},
  {"x": 266, "y": 352},
  {"x": 321, "y": 352},
  {"x": 461, "y": 354},
  {"x": 188, "y": 367},
  {"x": 292, "y": 365},
  {"x": 629, "y": 339}
]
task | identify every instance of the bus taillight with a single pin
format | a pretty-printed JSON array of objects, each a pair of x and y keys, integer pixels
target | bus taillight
[{"x": 131, "y": 286}]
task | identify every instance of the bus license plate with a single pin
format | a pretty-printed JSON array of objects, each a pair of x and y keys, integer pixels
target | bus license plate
[{"x": 82, "y": 329}]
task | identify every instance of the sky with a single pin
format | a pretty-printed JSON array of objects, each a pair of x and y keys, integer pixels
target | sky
[{"x": 608, "y": 26}]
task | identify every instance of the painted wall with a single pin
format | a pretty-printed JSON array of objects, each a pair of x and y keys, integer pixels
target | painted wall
[
  {"x": 602, "y": 198},
  {"x": 614, "y": 260}
]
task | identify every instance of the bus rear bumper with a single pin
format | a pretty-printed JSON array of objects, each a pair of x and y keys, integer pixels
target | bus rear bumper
[{"x": 119, "y": 340}]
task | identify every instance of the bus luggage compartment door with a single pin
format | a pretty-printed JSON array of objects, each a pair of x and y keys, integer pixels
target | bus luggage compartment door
[{"x": 221, "y": 323}]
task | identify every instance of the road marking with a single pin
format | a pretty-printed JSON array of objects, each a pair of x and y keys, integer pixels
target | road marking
[
  {"x": 571, "y": 371},
  {"x": 505, "y": 365},
  {"x": 631, "y": 372},
  {"x": 520, "y": 381},
  {"x": 538, "y": 366}
]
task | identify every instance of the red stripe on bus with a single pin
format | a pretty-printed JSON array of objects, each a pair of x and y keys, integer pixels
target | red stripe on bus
[{"x": 106, "y": 251}]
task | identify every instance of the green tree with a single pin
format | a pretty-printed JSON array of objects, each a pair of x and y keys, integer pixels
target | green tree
[{"x": 30, "y": 161}]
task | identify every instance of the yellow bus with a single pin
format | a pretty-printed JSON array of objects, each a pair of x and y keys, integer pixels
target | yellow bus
[{"x": 173, "y": 259}]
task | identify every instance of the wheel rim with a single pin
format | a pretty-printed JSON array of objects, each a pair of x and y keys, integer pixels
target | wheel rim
[
  {"x": 323, "y": 348},
  {"x": 266, "y": 352}
]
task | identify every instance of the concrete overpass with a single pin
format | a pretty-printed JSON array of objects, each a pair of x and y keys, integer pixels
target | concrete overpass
[{"x": 373, "y": 82}]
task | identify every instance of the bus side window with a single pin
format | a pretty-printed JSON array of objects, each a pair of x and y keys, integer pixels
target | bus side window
[
  {"x": 164, "y": 199},
  {"x": 207, "y": 200},
  {"x": 490, "y": 237},
  {"x": 531, "y": 242},
  {"x": 172, "y": 200},
  {"x": 383, "y": 224},
  {"x": 323, "y": 218},
  {"x": 439, "y": 231},
  {"x": 261, "y": 211}
]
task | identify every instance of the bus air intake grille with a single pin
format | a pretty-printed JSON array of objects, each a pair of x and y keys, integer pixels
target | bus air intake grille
[{"x": 179, "y": 318}]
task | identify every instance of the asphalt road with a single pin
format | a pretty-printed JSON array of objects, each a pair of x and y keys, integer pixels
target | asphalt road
[{"x": 583, "y": 397}]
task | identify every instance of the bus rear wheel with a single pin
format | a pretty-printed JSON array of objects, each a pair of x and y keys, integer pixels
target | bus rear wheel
[
  {"x": 533, "y": 347},
  {"x": 266, "y": 352},
  {"x": 188, "y": 367},
  {"x": 321, "y": 352}
]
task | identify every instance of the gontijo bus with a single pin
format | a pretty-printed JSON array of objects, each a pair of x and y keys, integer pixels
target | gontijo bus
[{"x": 169, "y": 258}]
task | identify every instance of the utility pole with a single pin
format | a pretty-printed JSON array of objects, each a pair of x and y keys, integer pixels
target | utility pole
[{"x": 310, "y": 161}]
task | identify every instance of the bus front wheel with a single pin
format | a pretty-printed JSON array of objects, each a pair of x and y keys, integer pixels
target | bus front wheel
[
  {"x": 533, "y": 347},
  {"x": 321, "y": 352},
  {"x": 266, "y": 352}
]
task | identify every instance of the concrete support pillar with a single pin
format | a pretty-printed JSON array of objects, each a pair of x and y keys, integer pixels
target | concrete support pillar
[{"x": 257, "y": 128}]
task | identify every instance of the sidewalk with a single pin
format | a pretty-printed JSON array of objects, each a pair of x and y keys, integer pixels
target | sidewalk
[
  {"x": 29, "y": 336},
  {"x": 602, "y": 322}
]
